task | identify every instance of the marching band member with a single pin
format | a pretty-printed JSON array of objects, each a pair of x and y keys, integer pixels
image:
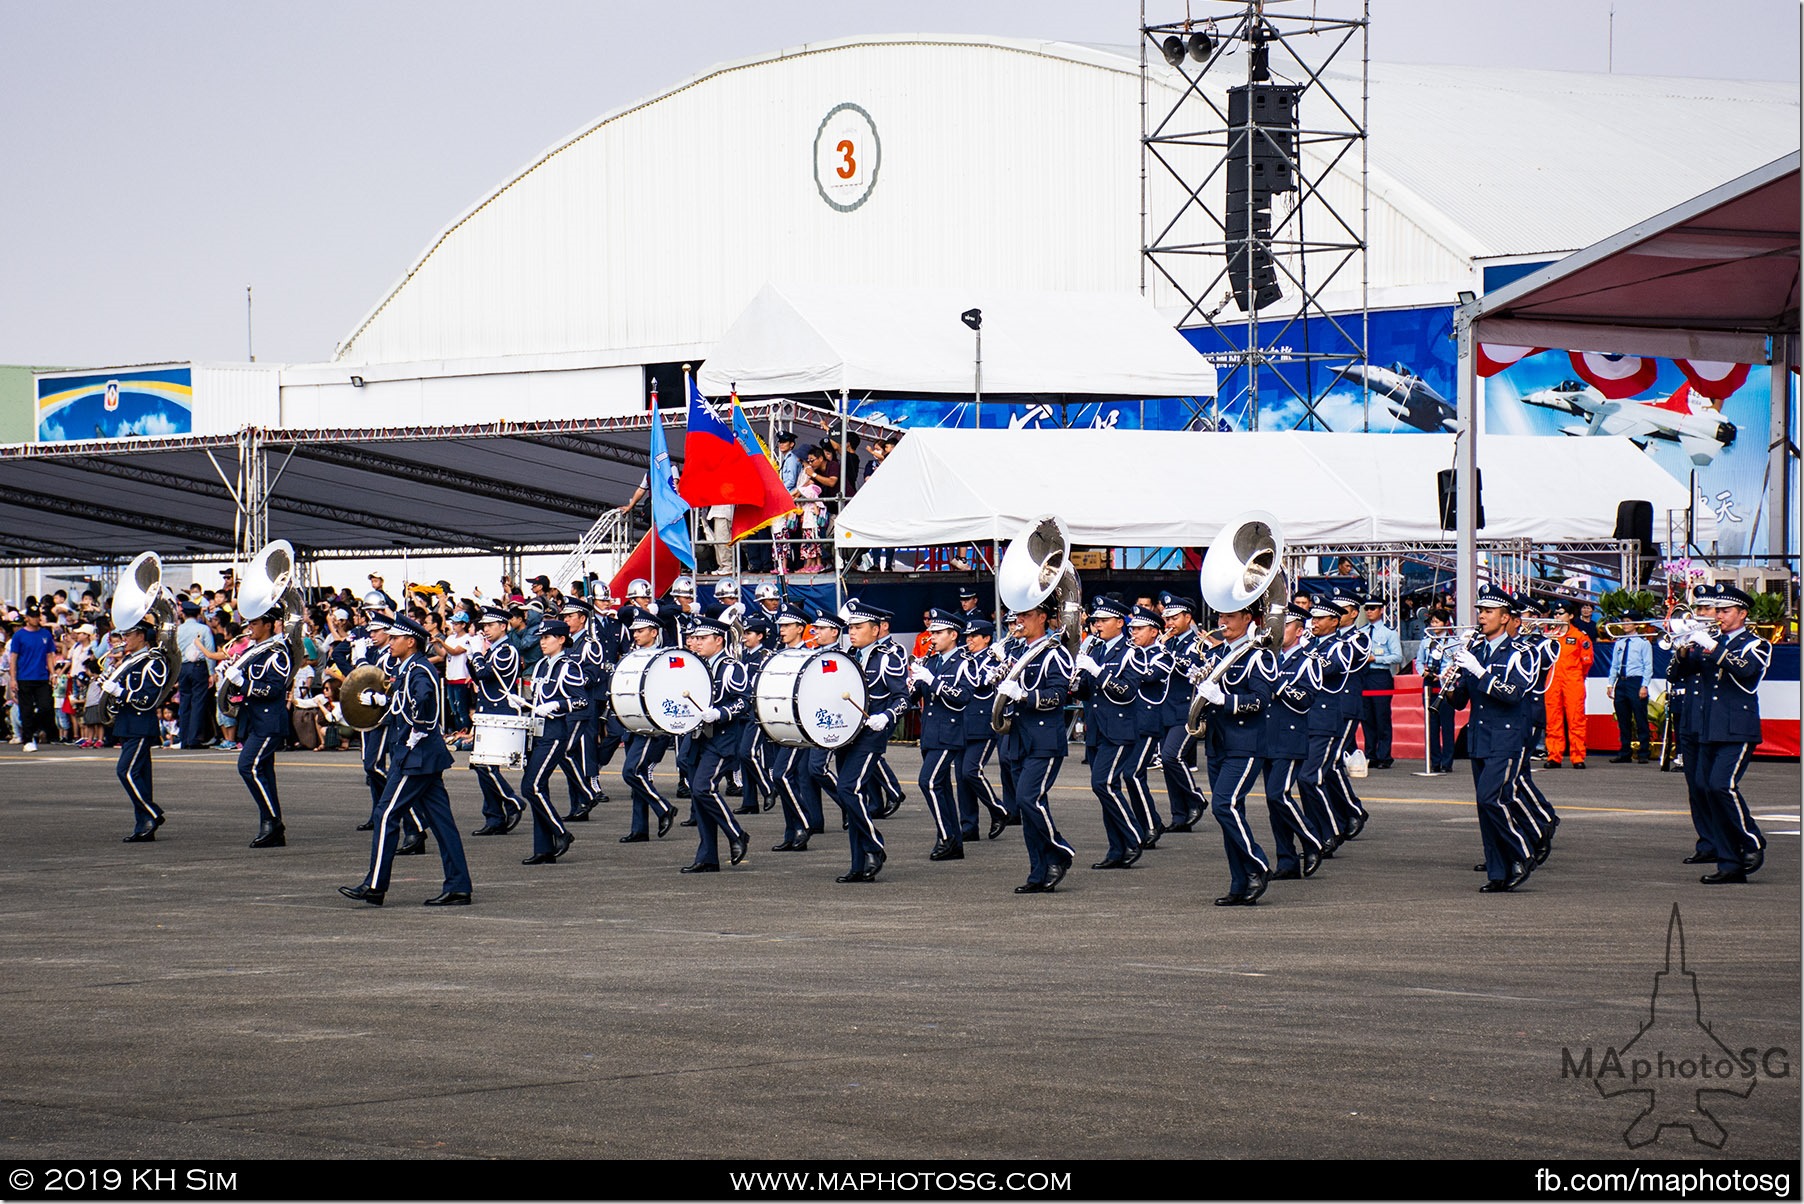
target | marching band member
[
  {"x": 645, "y": 750},
  {"x": 716, "y": 745},
  {"x": 754, "y": 750},
  {"x": 1034, "y": 747},
  {"x": 1101, "y": 678},
  {"x": 679, "y": 613},
  {"x": 787, "y": 766},
  {"x": 944, "y": 688},
  {"x": 581, "y": 773},
  {"x": 1531, "y": 810},
  {"x": 262, "y": 673},
  {"x": 606, "y": 630},
  {"x": 1237, "y": 700},
  {"x": 1734, "y": 664},
  {"x": 495, "y": 671},
  {"x": 886, "y": 689},
  {"x": 1286, "y": 747},
  {"x": 1150, "y": 667},
  {"x": 1685, "y": 682},
  {"x": 888, "y": 784},
  {"x": 974, "y": 789},
  {"x": 369, "y": 646},
  {"x": 1356, "y": 654},
  {"x": 817, "y": 769},
  {"x": 1176, "y": 747},
  {"x": 639, "y": 602},
  {"x": 1314, "y": 782},
  {"x": 138, "y": 690},
  {"x": 1440, "y": 714},
  {"x": 1495, "y": 676},
  {"x": 416, "y": 780},
  {"x": 560, "y": 689}
]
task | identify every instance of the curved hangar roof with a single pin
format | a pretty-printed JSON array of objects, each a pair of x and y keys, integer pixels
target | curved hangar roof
[{"x": 923, "y": 161}]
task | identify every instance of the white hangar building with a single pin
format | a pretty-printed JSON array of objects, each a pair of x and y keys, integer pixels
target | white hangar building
[{"x": 988, "y": 163}]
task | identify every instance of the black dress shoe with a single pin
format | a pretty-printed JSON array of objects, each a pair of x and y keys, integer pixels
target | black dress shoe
[
  {"x": 1151, "y": 842},
  {"x": 1311, "y": 863},
  {"x": 412, "y": 848},
  {"x": 785, "y": 847},
  {"x": 601, "y": 796},
  {"x": 513, "y": 820},
  {"x": 947, "y": 852},
  {"x": 1518, "y": 874},
  {"x": 1109, "y": 863},
  {"x": 736, "y": 850},
  {"x": 363, "y": 894},
  {"x": 634, "y": 838},
  {"x": 1753, "y": 860},
  {"x": 366, "y": 826},
  {"x": 141, "y": 836},
  {"x": 451, "y": 898},
  {"x": 1481, "y": 868},
  {"x": 540, "y": 859},
  {"x": 1031, "y": 888},
  {"x": 1359, "y": 825},
  {"x": 770, "y": 801},
  {"x": 998, "y": 825},
  {"x": 688, "y": 823},
  {"x": 1700, "y": 859},
  {"x": 701, "y": 867},
  {"x": 1256, "y": 884},
  {"x": 560, "y": 843},
  {"x": 1495, "y": 886},
  {"x": 855, "y": 876},
  {"x": 1288, "y": 875},
  {"x": 1230, "y": 901},
  {"x": 1132, "y": 855},
  {"x": 578, "y": 815},
  {"x": 490, "y": 830},
  {"x": 1055, "y": 873},
  {"x": 873, "y": 865},
  {"x": 270, "y": 836},
  {"x": 664, "y": 822},
  {"x": 1724, "y": 878},
  {"x": 683, "y": 790},
  {"x": 752, "y": 810}
]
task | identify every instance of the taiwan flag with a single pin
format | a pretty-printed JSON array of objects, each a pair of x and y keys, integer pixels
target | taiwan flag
[
  {"x": 750, "y": 518},
  {"x": 716, "y": 469}
]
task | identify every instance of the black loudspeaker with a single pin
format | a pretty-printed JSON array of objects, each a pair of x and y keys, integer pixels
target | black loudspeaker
[
  {"x": 1446, "y": 484},
  {"x": 1635, "y": 520},
  {"x": 1271, "y": 112},
  {"x": 1252, "y": 272}
]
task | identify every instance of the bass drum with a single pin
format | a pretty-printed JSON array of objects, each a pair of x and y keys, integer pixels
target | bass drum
[
  {"x": 660, "y": 691},
  {"x": 811, "y": 698}
]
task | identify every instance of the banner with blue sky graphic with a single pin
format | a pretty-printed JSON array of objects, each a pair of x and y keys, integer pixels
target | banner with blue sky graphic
[{"x": 113, "y": 405}]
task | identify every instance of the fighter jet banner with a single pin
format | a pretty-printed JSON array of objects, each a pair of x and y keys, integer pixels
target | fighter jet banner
[
  {"x": 1703, "y": 422},
  {"x": 1157, "y": 414}
]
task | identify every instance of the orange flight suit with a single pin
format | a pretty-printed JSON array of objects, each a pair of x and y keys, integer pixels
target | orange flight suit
[{"x": 1566, "y": 697}]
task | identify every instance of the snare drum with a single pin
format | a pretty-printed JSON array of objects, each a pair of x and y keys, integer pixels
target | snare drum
[
  {"x": 811, "y": 698},
  {"x": 660, "y": 691},
  {"x": 499, "y": 739}
]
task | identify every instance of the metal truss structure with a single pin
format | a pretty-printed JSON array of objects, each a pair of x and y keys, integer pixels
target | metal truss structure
[{"x": 1297, "y": 351}]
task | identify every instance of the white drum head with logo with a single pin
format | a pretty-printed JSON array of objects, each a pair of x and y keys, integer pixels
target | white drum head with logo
[
  {"x": 811, "y": 698},
  {"x": 660, "y": 691}
]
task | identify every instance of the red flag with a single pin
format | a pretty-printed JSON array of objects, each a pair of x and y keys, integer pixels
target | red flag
[
  {"x": 650, "y": 560},
  {"x": 775, "y": 502}
]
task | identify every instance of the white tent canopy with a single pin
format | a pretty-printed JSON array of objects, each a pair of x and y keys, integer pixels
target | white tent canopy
[
  {"x": 1178, "y": 489},
  {"x": 794, "y": 341}
]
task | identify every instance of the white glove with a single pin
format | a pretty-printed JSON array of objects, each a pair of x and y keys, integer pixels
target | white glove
[
  {"x": 113, "y": 688},
  {"x": 518, "y": 701},
  {"x": 413, "y": 738},
  {"x": 235, "y": 676},
  {"x": 711, "y": 715},
  {"x": 372, "y": 698},
  {"x": 995, "y": 674},
  {"x": 1212, "y": 693},
  {"x": 1012, "y": 689},
  {"x": 1088, "y": 664},
  {"x": 545, "y": 710},
  {"x": 921, "y": 674},
  {"x": 358, "y": 648},
  {"x": 1703, "y": 639},
  {"x": 878, "y": 722},
  {"x": 1465, "y": 660}
]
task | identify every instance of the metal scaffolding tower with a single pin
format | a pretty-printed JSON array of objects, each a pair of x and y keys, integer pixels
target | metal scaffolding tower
[{"x": 1267, "y": 220}]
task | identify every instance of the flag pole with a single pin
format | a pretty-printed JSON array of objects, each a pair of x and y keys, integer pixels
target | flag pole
[{"x": 651, "y": 505}]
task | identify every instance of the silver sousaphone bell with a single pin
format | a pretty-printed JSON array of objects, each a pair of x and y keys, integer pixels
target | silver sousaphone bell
[
  {"x": 1036, "y": 567},
  {"x": 1244, "y": 570}
]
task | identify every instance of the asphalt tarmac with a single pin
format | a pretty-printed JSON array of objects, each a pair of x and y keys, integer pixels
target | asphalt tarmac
[{"x": 195, "y": 998}]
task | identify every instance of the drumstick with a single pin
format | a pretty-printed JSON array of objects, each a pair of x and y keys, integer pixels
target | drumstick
[{"x": 848, "y": 697}]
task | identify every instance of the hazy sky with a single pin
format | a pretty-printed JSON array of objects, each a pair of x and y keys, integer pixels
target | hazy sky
[{"x": 160, "y": 156}]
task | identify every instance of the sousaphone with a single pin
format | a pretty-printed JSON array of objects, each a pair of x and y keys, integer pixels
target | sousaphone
[
  {"x": 140, "y": 595},
  {"x": 1036, "y": 568},
  {"x": 1244, "y": 570},
  {"x": 268, "y": 583}
]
